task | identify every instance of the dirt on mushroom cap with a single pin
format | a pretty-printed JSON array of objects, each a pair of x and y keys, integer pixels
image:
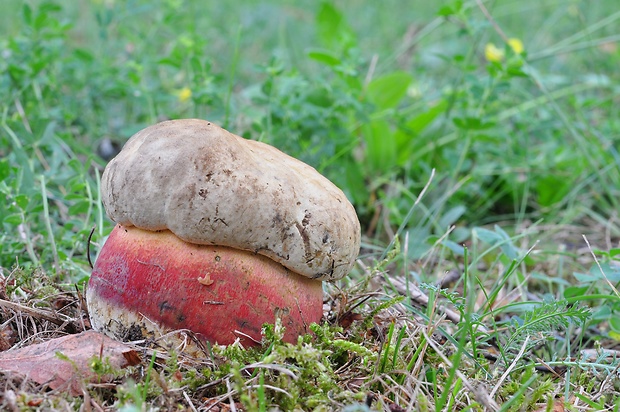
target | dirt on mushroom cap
[{"x": 209, "y": 186}]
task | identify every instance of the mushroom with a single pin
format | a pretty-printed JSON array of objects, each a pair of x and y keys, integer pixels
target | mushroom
[{"x": 216, "y": 234}]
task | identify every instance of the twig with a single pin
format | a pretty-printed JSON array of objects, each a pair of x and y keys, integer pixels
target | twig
[
  {"x": 57, "y": 319},
  {"x": 233, "y": 407},
  {"x": 491, "y": 20},
  {"x": 189, "y": 402},
  {"x": 90, "y": 237},
  {"x": 371, "y": 69},
  {"x": 607, "y": 384},
  {"x": 237, "y": 332},
  {"x": 510, "y": 368},
  {"x": 600, "y": 268}
]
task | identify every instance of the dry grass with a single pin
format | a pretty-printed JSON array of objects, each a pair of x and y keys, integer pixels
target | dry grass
[{"x": 387, "y": 343}]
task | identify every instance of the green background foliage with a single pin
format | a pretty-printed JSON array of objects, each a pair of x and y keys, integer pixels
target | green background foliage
[{"x": 375, "y": 96}]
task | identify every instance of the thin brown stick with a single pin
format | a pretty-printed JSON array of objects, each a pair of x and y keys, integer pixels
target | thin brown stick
[
  {"x": 611, "y": 285},
  {"x": 54, "y": 317},
  {"x": 90, "y": 237},
  {"x": 491, "y": 20}
]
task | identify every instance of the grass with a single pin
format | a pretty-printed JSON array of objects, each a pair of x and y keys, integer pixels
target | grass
[{"x": 486, "y": 186}]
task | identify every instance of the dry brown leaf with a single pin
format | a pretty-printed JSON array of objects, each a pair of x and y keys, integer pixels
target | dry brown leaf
[{"x": 64, "y": 363}]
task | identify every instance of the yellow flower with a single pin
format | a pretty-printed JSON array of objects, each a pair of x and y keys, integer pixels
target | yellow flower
[
  {"x": 516, "y": 45},
  {"x": 184, "y": 94},
  {"x": 493, "y": 54}
]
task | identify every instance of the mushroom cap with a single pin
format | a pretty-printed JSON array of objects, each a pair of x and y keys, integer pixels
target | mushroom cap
[{"x": 209, "y": 186}]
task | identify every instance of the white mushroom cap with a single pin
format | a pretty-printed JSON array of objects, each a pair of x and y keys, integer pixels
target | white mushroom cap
[{"x": 209, "y": 186}]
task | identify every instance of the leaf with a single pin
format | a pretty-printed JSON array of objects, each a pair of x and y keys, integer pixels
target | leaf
[
  {"x": 609, "y": 272},
  {"x": 406, "y": 137},
  {"x": 170, "y": 61},
  {"x": 454, "y": 247},
  {"x": 387, "y": 91},
  {"x": 13, "y": 219},
  {"x": 354, "y": 177},
  {"x": 552, "y": 189},
  {"x": 450, "y": 9},
  {"x": 498, "y": 237},
  {"x": 5, "y": 169},
  {"x": 575, "y": 291},
  {"x": 451, "y": 216},
  {"x": 79, "y": 207},
  {"x": 84, "y": 55},
  {"x": 487, "y": 236},
  {"x": 63, "y": 363},
  {"x": 324, "y": 56},
  {"x": 380, "y": 146},
  {"x": 422, "y": 120},
  {"x": 603, "y": 313},
  {"x": 614, "y": 324},
  {"x": 507, "y": 246},
  {"x": 332, "y": 28},
  {"x": 27, "y": 14},
  {"x": 22, "y": 201}
]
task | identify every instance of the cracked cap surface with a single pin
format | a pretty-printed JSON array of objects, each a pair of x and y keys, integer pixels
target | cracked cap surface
[{"x": 209, "y": 186}]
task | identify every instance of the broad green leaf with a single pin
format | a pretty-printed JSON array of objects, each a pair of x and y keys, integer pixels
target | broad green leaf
[
  {"x": 406, "y": 137},
  {"x": 196, "y": 65},
  {"x": 507, "y": 246},
  {"x": 27, "y": 14},
  {"x": 451, "y": 216},
  {"x": 422, "y": 120},
  {"x": 380, "y": 146},
  {"x": 83, "y": 55},
  {"x": 603, "y": 313},
  {"x": 79, "y": 207},
  {"x": 332, "y": 28},
  {"x": 14, "y": 219},
  {"x": 418, "y": 242},
  {"x": 552, "y": 189},
  {"x": 450, "y": 9},
  {"x": 49, "y": 7},
  {"x": 22, "y": 201},
  {"x": 614, "y": 323},
  {"x": 611, "y": 273},
  {"x": 387, "y": 91},
  {"x": 40, "y": 21},
  {"x": 584, "y": 277},
  {"x": 356, "y": 183},
  {"x": 5, "y": 169},
  {"x": 454, "y": 247},
  {"x": 170, "y": 61},
  {"x": 574, "y": 291},
  {"x": 487, "y": 236},
  {"x": 324, "y": 56}
]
